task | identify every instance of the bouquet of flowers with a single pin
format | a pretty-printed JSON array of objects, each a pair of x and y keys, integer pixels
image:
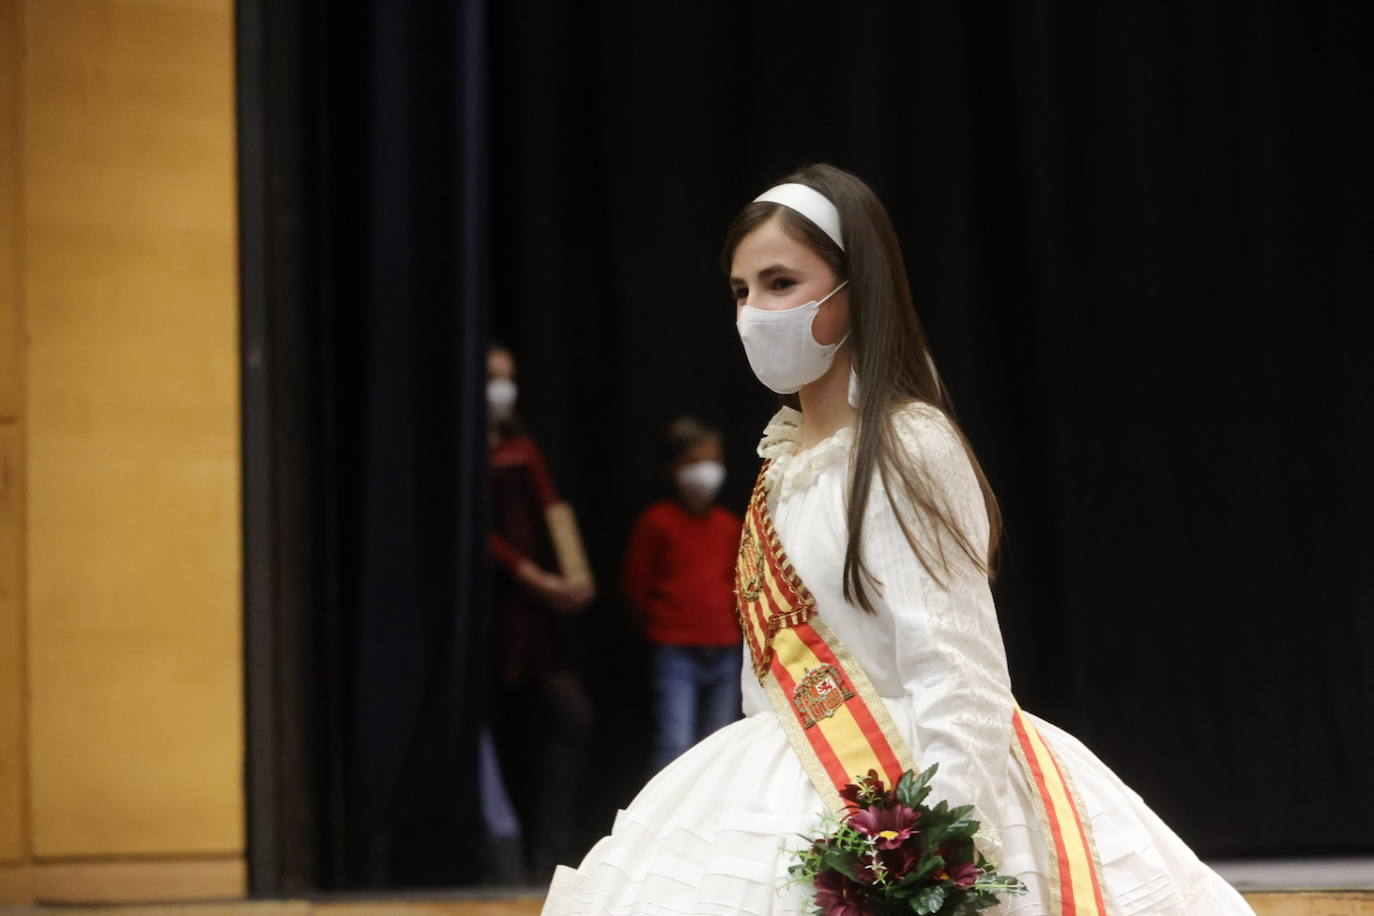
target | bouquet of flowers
[{"x": 890, "y": 854}]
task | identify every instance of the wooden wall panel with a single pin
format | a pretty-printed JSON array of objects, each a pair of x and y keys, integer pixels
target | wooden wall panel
[
  {"x": 10, "y": 63},
  {"x": 13, "y": 843},
  {"x": 139, "y": 881},
  {"x": 133, "y": 532}
]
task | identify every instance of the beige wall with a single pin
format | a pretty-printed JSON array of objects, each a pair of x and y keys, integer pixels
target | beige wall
[
  {"x": 13, "y": 809},
  {"x": 121, "y": 736}
]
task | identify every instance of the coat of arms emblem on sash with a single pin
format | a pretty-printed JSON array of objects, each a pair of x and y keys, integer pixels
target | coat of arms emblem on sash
[{"x": 820, "y": 692}]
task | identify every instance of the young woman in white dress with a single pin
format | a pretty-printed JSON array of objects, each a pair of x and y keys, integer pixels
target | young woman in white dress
[{"x": 886, "y": 517}]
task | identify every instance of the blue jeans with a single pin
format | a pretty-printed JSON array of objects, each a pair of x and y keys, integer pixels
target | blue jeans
[{"x": 696, "y": 691}]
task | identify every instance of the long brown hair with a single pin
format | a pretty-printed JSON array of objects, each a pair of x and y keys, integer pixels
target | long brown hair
[{"x": 893, "y": 363}]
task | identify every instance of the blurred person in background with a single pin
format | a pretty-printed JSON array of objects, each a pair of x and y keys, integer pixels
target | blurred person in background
[
  {"x": 538, "y": 709},
  {"x": 679, "y": 582}
]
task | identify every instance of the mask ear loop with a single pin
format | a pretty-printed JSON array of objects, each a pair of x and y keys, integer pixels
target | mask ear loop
[
  {"x": 853, "y": 394},
  {"x": 819, "y": 302},
  {"x": 832, "y": 292}
]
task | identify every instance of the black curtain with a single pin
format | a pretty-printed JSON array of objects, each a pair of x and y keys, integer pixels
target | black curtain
[
  {"x": 364, "y": 181},
  {"x": 1139, "y": 236}
]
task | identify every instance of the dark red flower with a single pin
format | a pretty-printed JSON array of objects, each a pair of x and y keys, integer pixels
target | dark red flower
[
  {"x": 868, "y": 787},
  {"x": 964, "y": 876},
  {"x": 836, "y": 895},
  {"x": 889, "y": 826},
  {"x": 894, "y": 864},
  {"x": 899, "y": 862}
]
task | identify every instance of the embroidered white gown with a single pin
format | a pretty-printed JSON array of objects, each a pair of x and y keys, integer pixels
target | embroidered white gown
[{"x": 708, "y": 836}]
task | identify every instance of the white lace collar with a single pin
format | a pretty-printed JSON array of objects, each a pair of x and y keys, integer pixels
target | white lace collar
[{"x": 793, "y": 469}]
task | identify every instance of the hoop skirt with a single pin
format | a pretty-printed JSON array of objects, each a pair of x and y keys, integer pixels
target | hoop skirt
[{"x": 711, "y": 834}]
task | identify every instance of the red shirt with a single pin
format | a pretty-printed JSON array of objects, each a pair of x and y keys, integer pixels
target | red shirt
[{"x": 680, "y": 575}]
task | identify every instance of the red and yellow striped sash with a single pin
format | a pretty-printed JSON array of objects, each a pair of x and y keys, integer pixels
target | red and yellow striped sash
[
  {"x": 1075, "y": 872},
  {"x": 836, "y": 722}
]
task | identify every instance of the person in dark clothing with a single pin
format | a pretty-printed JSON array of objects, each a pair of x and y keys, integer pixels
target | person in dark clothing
[{"x": 539, "y": 713}]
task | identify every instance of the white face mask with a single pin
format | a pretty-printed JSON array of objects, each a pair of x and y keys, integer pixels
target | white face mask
[
  {"x": 700, "y": 481},
  {"x": 501, "y": 394},
  {"x": 781, "y": 349}
]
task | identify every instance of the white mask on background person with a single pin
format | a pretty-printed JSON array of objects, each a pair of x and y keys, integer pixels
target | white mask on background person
[
  {"x": 781, "y": 348},
  {"x": 700, "y": 481},
  {"x": 501, "y": 394}
]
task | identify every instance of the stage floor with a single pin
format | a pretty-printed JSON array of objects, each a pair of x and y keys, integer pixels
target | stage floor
[
  {"x": 1289, "y": 887},
  {"x": 1267, "y": 903},
  {"x": 1348, "y": 873}
]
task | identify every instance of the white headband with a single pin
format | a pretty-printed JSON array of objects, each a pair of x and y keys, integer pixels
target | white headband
[{"x": 810, "y": 203}]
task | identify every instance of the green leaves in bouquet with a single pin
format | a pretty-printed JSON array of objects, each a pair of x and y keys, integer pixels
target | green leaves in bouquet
[
  {"x": 945, "y": 824},
  {"x": 985, "y": 894},
  {"x": 913, "y": 789},
  {"x": 1000, "y": 884},
  {"x": 897, "y": 855},
  {"x": 841, "y": 860},
  {"x": 928, "y": 867},
  {"x": 927, "y": 900}
]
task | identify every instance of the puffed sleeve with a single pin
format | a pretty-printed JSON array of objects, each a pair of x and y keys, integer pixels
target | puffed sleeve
[{"x": 948, "y": 646}]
